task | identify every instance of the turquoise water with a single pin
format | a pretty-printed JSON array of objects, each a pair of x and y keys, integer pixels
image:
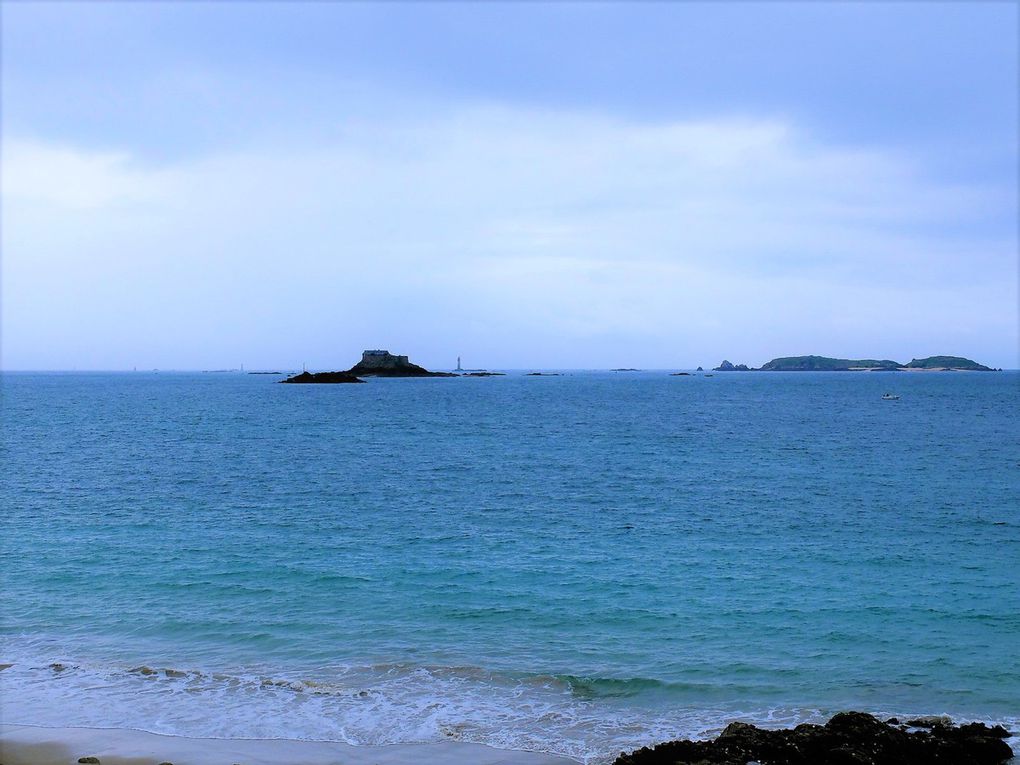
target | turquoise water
[{"x": 578, "y": 564}]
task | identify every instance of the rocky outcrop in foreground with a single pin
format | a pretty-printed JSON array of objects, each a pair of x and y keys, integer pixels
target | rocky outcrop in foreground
[
  {"x": 323, "y": 377},
  {"x": 849, "y": 738}
]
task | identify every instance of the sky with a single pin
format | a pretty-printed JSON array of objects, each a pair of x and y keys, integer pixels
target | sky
[{"x": 525, "y": 185}]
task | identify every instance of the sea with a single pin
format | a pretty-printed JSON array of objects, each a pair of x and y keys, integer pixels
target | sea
[{"x": 578, "y": 564}]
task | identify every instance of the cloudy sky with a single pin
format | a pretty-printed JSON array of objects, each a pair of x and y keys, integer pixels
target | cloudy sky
[{"x": 191, "y": 185}]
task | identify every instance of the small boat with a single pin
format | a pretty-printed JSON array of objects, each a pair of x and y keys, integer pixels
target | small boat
[{"x": 890, "y": 397}]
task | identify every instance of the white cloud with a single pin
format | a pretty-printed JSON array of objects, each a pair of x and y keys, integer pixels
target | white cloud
[
  {"x": 505, "y": 233},
  {"x": 64, "y": 178}
]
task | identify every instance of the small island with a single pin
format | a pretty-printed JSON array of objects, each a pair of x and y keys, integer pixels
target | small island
[
  {"x": 728, "y": 367},
  {"x": 378, "y": 363},
  {"x": 827, "y": 364},
  {"x": 323, "y": 377},
  {"x": 947, "y": 363},
  {"x": 374, "y": 363}
]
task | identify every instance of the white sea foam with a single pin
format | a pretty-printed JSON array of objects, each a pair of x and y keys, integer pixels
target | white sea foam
[{"x": 382, "y": 704}]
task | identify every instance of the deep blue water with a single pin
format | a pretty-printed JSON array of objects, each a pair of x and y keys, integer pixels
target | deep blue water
[{"x": 578, "y": 564}]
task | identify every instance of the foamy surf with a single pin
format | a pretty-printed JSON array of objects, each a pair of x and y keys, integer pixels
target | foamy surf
[{"x": 371, "y": 705}]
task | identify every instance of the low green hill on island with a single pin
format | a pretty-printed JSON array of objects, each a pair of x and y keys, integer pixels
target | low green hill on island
[
  {"x": 946, "y": 362},
  {"x": 826, "y": 364}
]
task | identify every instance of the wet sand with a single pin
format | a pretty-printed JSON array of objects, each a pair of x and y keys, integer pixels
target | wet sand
[{"x": 30, "y": 745}]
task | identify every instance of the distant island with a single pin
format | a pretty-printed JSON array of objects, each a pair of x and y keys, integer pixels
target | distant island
[
  {"x": 385, "y": 364},
  {"x": 374, "y": 363},
  {"x": 728, "y": 367},
  {"x": 827, "y": 364},
  {"x": 323, "y": 377}
]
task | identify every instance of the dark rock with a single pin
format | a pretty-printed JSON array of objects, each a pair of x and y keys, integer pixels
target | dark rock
[
  {"x": 681, "y": 374},
  {"x": 849, "y": 738},
  {"x": 625, "y": 369},
  {"x": 323, "y": 377},
  {"x": 89, "y": 760},
  {"x": 542, "y": 374},
  {"x": 728, "y": 367},
  {"x": 699, "y": 369},
  {"x": 484, "y": 374}
]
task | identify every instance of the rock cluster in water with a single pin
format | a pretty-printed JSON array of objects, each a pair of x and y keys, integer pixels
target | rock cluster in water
[
  {"x": 728, "y": 367},
  {"x": 323, "y": 377},
  {"x": 849, "y": 738}
]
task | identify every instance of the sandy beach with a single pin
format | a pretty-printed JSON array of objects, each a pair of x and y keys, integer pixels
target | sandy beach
[{"x": 30, "y": 745}]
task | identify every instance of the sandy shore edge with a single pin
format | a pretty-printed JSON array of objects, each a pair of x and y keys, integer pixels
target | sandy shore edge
[{"x": 32, "y": 745}]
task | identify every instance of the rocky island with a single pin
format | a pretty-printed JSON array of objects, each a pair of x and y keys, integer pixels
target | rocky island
[
  {"x": 385, "y": 364},
  {"x": 827, "y": 364},
  {"x": 728, "y": 367},
  {"x": 373, "y": 363},
  {"x": 849, "y": 738},
  {"x": 323, "y": 377}
]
